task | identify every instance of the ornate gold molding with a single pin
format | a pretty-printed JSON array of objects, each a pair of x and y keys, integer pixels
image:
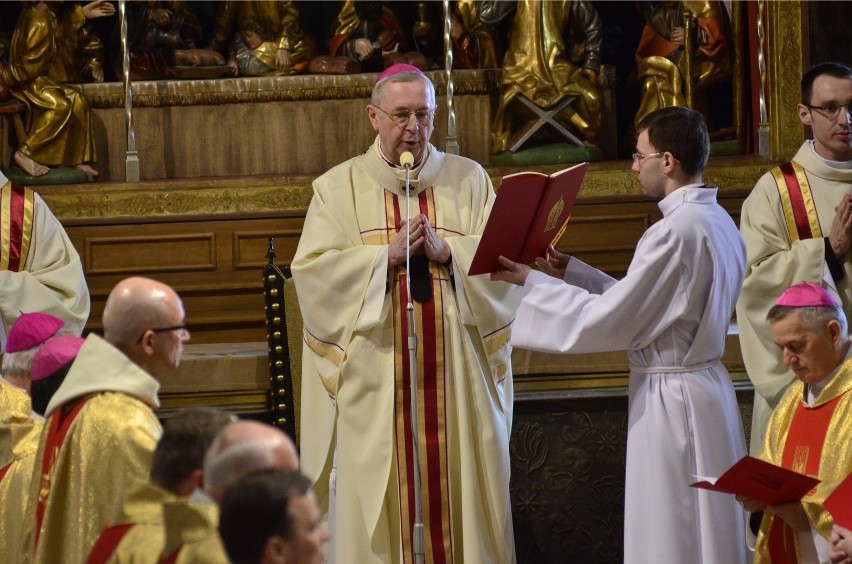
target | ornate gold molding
[
  {"x": 178, "y": 197},
  {"x": 784, "y": 53},
  {"x": 300, "y": 88}
]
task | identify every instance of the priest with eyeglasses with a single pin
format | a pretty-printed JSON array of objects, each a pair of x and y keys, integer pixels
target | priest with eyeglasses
[{"x": 349, "y": 271}]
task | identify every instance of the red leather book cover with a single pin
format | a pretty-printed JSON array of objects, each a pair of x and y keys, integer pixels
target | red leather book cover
[
  {"x": 761, "y": 481},
  {"x": 530, "y": 213}
]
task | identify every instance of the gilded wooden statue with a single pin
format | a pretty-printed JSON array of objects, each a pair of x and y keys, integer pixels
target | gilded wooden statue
[
  {"x": 554, "y": 53},
  {"x": 662, "y": 63},
  {"x": 279, "y": 21},
  {"x": 59, "y": 123}
]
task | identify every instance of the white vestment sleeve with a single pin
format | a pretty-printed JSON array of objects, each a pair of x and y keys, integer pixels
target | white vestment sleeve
[
  {"x": 629, "y": 315},
  {"x": 578, "y": 273}
]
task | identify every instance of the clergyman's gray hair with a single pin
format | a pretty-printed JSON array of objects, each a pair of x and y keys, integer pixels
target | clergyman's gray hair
[
  {"x": 18, "y": 363},
  {"x": 814, "y": 318},
  {"x": 223, "y": 468},
  {"x": 404, "y": 76}
]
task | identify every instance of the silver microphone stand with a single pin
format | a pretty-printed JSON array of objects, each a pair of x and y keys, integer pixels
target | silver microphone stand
[{"x": 417, "y": 534}]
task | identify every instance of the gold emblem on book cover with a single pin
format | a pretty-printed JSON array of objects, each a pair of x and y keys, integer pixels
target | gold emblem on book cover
[{"x": 554, "y": 214}]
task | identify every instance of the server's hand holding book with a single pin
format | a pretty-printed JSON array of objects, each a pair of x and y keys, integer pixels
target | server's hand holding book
[{"x": 530, "y": 213}]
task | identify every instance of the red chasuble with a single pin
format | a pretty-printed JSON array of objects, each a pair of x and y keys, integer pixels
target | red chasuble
[{"x": 802, "y": 453}]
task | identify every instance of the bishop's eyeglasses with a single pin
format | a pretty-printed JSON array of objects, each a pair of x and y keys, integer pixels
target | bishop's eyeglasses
[{"x": 401, "y": 117}]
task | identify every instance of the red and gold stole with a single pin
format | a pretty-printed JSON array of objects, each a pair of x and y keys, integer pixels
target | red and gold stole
[
  {"x": 802, "y": 453},
  {"x": 172, "y": 558},
  {"x": 16, "y": 225},
  {"x": 797, "y": 202},
  {"x": 108, "y": 542},
  {"x": 431, "y": 400},
  {"x": 58, "y": 426}
]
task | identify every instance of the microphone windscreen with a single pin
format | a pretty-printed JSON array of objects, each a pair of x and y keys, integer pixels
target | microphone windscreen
[{"x": 406, "y": 159}]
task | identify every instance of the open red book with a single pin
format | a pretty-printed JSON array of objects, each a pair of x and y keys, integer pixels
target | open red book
[
  {"x": 761, "y": 481},
  {"x": 839, "y": 503},
  {"x": 530, "y": 213}
]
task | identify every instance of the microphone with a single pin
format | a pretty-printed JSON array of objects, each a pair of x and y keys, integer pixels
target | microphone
[{"x": 406, "y": 161}]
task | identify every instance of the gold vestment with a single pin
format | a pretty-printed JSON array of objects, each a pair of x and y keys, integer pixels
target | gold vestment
[
  {"x": 191, "y": 533},
  {"x": 83, "y": 478},
  {"x": 145, "y": 540},
  {"x": 19, "y": 434},
  {"x": 836, "y": 457}
]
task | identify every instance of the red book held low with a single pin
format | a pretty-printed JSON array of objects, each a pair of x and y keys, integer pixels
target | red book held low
[
  {"x": 529, "y": 214},
  {"x": 761, "y": 481}
]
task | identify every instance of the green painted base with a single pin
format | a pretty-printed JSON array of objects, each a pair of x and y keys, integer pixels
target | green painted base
[
  {"x": 556, "y": 153},
  {"x": 57, "y": 175}
]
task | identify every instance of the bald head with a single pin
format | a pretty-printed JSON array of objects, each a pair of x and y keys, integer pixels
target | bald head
[
  {"x": 143, "y": 318},
  {"x": 243, "y": 447}
]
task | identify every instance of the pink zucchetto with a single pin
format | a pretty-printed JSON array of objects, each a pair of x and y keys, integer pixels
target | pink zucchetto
[
  {"x": 805, "y": 294},
  {"x": 31, "y": 329},
  {"x": 55, "y": 353},
  {"x": 397, "y": 68}
]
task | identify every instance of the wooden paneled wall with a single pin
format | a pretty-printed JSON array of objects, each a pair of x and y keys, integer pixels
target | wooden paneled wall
[{"x": 214, "y": 261}]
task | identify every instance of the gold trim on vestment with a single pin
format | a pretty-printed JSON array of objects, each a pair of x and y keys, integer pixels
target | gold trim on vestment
[
  {"x": 787, "y": 204},
  {"x": 327, "y": 351},
  {"x": 27, "y": 227},
  {"x": 6, "y": 225},
  {"x": 808, "y": 197}
]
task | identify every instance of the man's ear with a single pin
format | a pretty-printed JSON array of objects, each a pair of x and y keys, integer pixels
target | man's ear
[
  {"x": 804, "y": 114},
  {"x": 195, "y": 481},
  {"x": 276, "y": 550},
  {"x": 669, "y": 162},
  {"x": 147, "y": 342},
  {"x": 835, "y": 332},
  {"x": 374, "y": 117}
]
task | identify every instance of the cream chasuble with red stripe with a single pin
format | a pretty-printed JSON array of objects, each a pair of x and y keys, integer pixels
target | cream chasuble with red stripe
[
  {"x": 356, "y": 393},
  {"x": 39, "y": 268}
]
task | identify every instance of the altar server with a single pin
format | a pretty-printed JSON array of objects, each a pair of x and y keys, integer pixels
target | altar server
[{"x": 671, "y": 313}]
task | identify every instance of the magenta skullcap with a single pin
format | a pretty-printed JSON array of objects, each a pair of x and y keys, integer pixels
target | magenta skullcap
[
  {"x": 31, "y": 329},
  {"x": 398, "y": 68},
  {"x": 53, "y": 354},
  {"x": 805, "y": 294}
]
